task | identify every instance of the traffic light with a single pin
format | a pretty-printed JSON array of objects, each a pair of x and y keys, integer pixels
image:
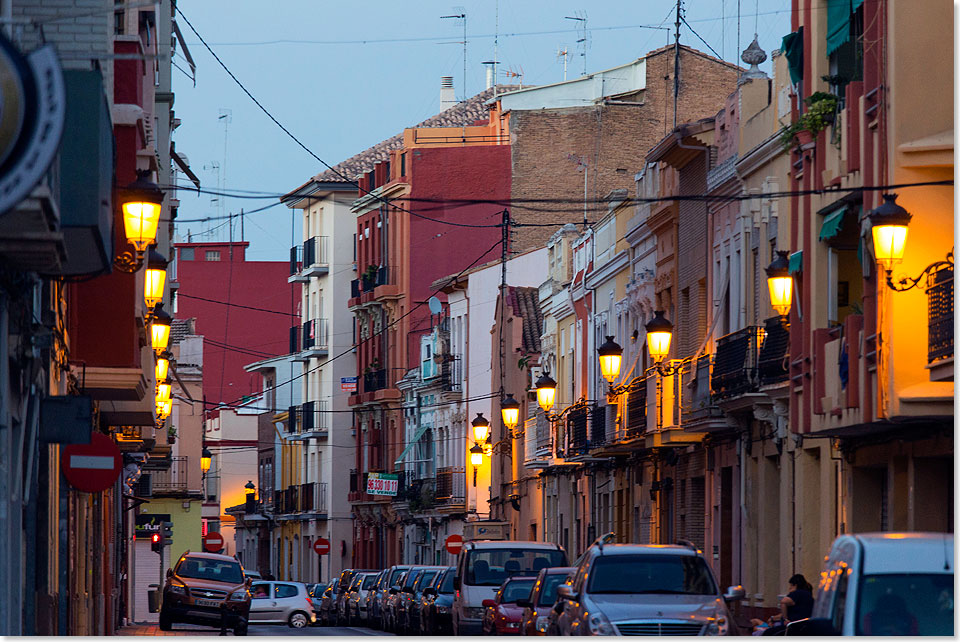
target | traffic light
[
  {"x": 167, "y": 532},
  {"x": 156, "y": 543}
]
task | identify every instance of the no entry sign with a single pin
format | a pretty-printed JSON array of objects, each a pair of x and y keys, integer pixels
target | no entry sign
[
  {"x": 453, "y": 544},
  {"x": 92, "y": 467},
  {"x": 321, "y": 546},
  {"x": 213, "y": 542}
]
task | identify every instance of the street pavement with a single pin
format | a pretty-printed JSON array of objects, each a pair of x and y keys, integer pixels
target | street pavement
[{"x": 274, "y": 630}]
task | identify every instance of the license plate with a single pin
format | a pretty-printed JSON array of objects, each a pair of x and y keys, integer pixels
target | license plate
[{"x": 208, "y": 602}]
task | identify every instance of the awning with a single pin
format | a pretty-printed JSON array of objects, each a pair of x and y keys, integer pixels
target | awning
[
  {"x": 838, "y": 23},
  {"x": 796, "y": 262},
  {"x": 184, "y": 166},
  {"x": 792, "y": 47},
  {"x": 410, "y": 444},
  {"x": 832, "y": 223}
]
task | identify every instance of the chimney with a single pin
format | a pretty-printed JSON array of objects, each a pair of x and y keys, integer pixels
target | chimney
[
  {"x": 447, "y": 98},
  {"x": 489, "y": 64}
]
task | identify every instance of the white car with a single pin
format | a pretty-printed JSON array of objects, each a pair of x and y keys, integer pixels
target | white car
[{"x": 281, "y": 603}]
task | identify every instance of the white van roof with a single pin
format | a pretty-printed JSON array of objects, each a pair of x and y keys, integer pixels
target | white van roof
[
  {"x": 508, "y": 543},
  {"x": 887, "y": 553}
]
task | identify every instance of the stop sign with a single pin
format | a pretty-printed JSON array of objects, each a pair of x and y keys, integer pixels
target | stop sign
[
  {"x": 213, "y": 542},
  {"x": 321, "y": 546},
  {"x": 92, "y": 467},
  {"x": 453, "y": 544}
]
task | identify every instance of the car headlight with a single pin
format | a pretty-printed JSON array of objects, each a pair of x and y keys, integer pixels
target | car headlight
[
  {"x": 474, "y": 612},
  {"x": 179, "y": 589},
  {"x": 718, "y": 626},
  {"x": 443, "y": 609},
  {"x": 542, "y": 622},
  {"x": 239, "y": 594},
  {"x": 598, "y": 624}
]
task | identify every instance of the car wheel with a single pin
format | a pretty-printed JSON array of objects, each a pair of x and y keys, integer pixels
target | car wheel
[
  {"x": 241, "y": 627},
  {"x": 166, "y": 622},
  {"x": 299, "y": 620}
]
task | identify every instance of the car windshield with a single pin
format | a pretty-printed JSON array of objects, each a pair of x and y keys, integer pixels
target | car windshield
[
  {"x": 905, "y": 604},
  {"x": 446, "y": 588},
  {"x": 427, "y": 578},
  {"x": 411, "y": 578},
  {"x": 548, "y": 592},
  {"x": 491, "y": 566},
  {"x": 369, "y": 581},
  {"x": 516, "y": 590},
  {"x": 395, "y": 575},
  {"x": 637, "y": 574},
  {"x": 208, "y": 569}
]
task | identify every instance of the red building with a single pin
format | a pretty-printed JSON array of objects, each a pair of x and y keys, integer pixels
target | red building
[{"x": 244, "y": 311}]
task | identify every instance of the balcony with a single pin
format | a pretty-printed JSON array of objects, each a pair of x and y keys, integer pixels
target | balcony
[
  {"x": 313, "y": 499},
  {"x": 573, "y": 441},
  {"x": 173, "y": 481},
  {"x": 636, "y": 422},
  {"x": 451, "y": 487},
  {"x": 536, "y": 431},
  {"x": 315, "y": 341},
  {"x": 316, "y": 260},
  {"x": 373, "y": 286},
  {"x": 419, "y": 493},
  {"x": 296, "y": 266},
  {"x": 314, "y": 419},
  {"x": 451, "y": 374},
  {"x": 940, "y": 325},
  {"x": 699, "y": 412},
  {"x": 775, "y": 351},
  {"x": 598, "y": 426},
  {"x": 736, "y": 365},
  {"x": 295, "y": 346}
]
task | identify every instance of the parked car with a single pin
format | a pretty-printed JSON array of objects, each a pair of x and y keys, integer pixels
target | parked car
[
  {"x": 537, "y": 609},
  {"x": 328, "y": 604},
  {"x": 340, "y": 593},
  {"x": 393, "y": 599},
  {"x": 357, "y": 599},
  {"x": 409, "y": 605},
  {"x": 206, "y": 588},
  {"x": 398, "y": 605},
  {"x": 635, "y": 589},
  {"x": 253, "y": 575},
  {"x": 281, "y": 603},
  {"x": 373, "y": 605},
  {"x": 436, "y": 602},
  {"x": 483, "y": 566},
  {"x": 382, "y": 596},
  {"x": 888, "y": 584},
  {"x": 502, "y": 616},
  {"x": 315, "y": 592}
]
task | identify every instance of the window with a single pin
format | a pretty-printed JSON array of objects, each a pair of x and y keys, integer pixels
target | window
[
  {"x": 905, "y": 604},
  {"x": 212, "y": 255},
  {"x": 678, "y": 574},
  {"x": 186, "y": 253},
  {"x": 284, "y": 590}
]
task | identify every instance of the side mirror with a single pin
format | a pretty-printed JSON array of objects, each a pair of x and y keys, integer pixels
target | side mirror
[
  {"x": 169, "y": 573},
  {"x": 565, "y": 591},
  {"x": 489, "y": 603},
  {"x": 811, "y": 627},
  {"x": 525, "y": 603},
  {"x": 734, "y": 594}
]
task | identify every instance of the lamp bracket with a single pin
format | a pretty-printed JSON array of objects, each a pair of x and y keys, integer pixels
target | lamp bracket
[
  {"x": 558, "y": 416},
  {"x": 128, "y": 263},
  {"x": 923, "y": 279}
]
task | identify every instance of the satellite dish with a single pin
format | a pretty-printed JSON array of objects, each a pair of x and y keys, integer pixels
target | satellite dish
[{"x": 435, "y": 306}]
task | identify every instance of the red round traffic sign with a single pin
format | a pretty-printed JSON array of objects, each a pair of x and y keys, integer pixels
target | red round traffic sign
[
  {"x": 453, "y": 544},
  {"x": 92, "y": 467},
  {"x": 213, "y": 542},
  {"x": 321, "y": 546}
]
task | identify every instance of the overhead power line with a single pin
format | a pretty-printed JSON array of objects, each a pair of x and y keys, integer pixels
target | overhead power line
[{"x": 235, "y": 305}]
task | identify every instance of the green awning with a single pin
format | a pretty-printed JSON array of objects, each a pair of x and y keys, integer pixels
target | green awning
[
  {"x": 832, "y": 223},
  {"x": 796, "y": 262},
  {"x": 838, "y": 23},
  {"x": 792, "y": 47},
  {"x": 413, "y": 442}
]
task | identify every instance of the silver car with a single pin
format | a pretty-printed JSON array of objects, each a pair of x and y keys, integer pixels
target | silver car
[
  {"x": 633, "y": 589},
  {"x": 281, "y": 603},
  {"x": 357, "y": 598}
]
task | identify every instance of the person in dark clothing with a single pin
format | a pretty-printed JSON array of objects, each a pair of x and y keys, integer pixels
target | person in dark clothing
[{"x": 798, "y": 603}]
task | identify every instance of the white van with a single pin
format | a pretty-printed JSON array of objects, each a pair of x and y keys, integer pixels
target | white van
[
  {"x": 887, "y": 584},
  {"x": 484, "y": 565}
]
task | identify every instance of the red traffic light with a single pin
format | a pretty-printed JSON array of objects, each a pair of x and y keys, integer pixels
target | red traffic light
[{"x": 156, "y": 537}]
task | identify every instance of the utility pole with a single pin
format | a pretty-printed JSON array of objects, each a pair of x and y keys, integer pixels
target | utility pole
[
  {"x": 676, "y": 65},
  {"x": 462, "y": 16},
  {"x": 504, "y": 245}
]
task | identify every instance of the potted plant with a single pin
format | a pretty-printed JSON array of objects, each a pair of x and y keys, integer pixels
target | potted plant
[
  {"x": 171, "y": 435},
  {"x": 820, "y": 113},
  {"x": 370, "y": 273}
]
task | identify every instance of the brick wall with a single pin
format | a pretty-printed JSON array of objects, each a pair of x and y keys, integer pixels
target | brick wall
[{"x": 612, "y": 139}]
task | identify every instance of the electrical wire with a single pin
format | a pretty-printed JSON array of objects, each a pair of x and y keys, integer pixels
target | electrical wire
[{"x": 235, "y": 305}]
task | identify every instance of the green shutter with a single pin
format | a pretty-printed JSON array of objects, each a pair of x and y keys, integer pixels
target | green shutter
[
  {"x": 838, "y": 23},
  {"x": 796, "y": 262},
  {"x": 792, "y": 47},
  {"x": 411, "y": 444},
  {"x": 832, "y": 223}
]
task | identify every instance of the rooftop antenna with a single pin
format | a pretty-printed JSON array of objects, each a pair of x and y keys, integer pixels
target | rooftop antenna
[
  {"x": 563, "y": 53},
  {"x": 461, "y": 15},
  {"x": 516, "y": 74},
  {"x": 225, "y": 117},
  {"x": 581, "y": 19},
  {"x": 676, "y": 64},
  {"x": 215, "y": 199}
]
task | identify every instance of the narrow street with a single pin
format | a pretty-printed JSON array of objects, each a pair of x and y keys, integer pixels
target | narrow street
[{"x": 151, "y": 629}]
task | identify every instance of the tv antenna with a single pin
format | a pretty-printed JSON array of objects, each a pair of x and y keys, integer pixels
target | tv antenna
[
  {"x": 225, "y": 117},
  {"x": 461, "y": 15},
  {"x": 515, "y": 74},
  {"x": 580, "y": 17},
  {"x": 563, "y": 53}
]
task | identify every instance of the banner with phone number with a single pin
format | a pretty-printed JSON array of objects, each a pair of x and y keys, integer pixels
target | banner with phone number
[{"x": 382, "y": 484}]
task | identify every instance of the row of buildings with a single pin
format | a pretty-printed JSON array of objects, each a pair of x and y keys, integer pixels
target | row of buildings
[{"x": 505, "y": 241}]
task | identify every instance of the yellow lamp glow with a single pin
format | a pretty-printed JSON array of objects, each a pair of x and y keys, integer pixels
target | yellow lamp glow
[
  {"x": 164, "y": 408},
  {"x": 249, "y": 488},
  {"x": 889, "y": 224},
  {"x": 481, "y": 428},
  {"x": 163, "y": 391},
  {"x": 476, "y": 455},
  {"x": 611, "y": 356},
  {"x": 155, "y": 279},
  {"x": 780, "y": 283},
  {"x": 546, "y": 392},
  {"x": 205, "y": 458},
  {"x": 163, "y": 367},
  {"x": 510, "y": 410},
  {"x": 160, "y": 329},
  {"x": 659, "y": 331},
  {"x": 142, "y": 201}
]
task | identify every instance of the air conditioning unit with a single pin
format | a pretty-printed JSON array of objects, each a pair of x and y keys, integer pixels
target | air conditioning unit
[{"x": 486, "y": 530}]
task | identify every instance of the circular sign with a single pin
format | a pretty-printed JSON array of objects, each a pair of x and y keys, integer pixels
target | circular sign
[
  {"x": 321, "y": 546},
  {"x": 453, "y": 544},
  {"x": 213, "y": 542},
  {"x": 92, "y": 467}
]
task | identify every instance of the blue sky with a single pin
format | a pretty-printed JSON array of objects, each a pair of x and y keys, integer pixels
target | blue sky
[{"x": 361, "y": 72}]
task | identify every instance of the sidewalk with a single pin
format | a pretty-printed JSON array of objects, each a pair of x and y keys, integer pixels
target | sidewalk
[{"x": 152, "y": 628}]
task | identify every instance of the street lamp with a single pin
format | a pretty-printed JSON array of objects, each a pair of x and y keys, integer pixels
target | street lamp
[
  {"x": 155, "y": 278},
  {"x": 141, "y": 204},
  {"x": 889, "y": 224},
  {"x": 250, "y": 490},
  {"x": 481, "y": 428},
  {"x": 163, "y": 391},
  {"x": 611, "y": 356},
  {"x": 160, "y": 328},
  {"x": 163, "y": 366},
  {"x": 205, "y": 458},
  {"x": 476, "y": 459},
  {"x": 510, "y": 410},
  {"x": 659, "y": 332},
  {"x": 546, "y": 391},
  {"x": 780, "y": 283}
]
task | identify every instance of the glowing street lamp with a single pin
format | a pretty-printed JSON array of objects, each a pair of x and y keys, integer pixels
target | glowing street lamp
[
  {"x": 510, "y": 410},
  {"x": 163, "y": 366},
  {"x": 780, "y": 283},
  {"x": 163, "y": 391},
  {"x": 889, "y": 224},
  {"x": 205, "y": 458},
  {"x": 481, "y": 428},
  {"x": 160, "y": 328},
  {"x": 659, "y": 331},
  {"x": 611, "y": 356},
  {"x": 155, "y": 279},
  {"x": 476, "y": 455},
  {"x": 546, "y": 392},
  {"x": 141, "y": 206}
]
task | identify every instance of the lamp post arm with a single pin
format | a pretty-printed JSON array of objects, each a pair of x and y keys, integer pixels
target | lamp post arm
[{"x": 906, "y": 283}]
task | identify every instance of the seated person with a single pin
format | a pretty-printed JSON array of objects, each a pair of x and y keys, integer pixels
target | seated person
[{"x": 890, "y": 617}]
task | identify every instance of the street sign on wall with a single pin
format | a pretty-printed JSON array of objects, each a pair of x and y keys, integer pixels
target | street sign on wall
[
  {"x": 348, "y": 384},
  {"x": 92, "y": 467},
  {"x": 321, "y": 546},
  {"x": 382, "y": 484}
]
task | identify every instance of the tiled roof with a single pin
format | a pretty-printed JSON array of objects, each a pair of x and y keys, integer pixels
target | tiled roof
[
  {"x": 180, "y": 328},
  {"x": 525, "y": 303},
  {"x": 465, "y": 113}
]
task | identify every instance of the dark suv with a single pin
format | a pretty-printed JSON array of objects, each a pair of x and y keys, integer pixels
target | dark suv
[{"x": 206, "y": 588}]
